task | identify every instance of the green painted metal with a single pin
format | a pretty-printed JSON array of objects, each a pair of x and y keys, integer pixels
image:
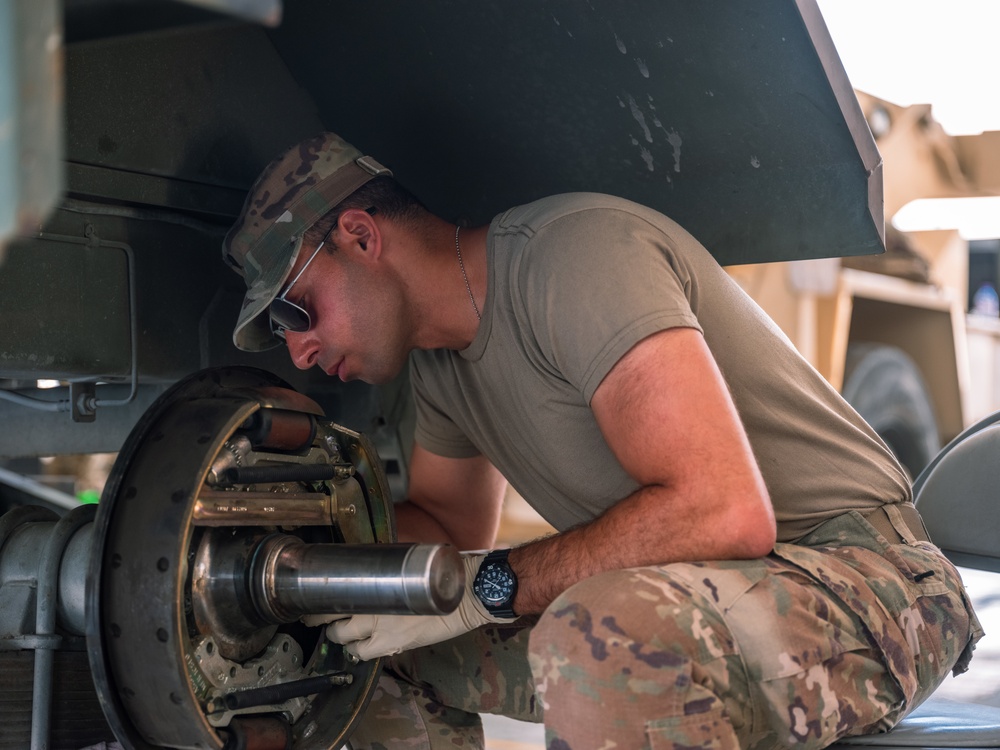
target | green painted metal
[
  {"x": 736, "y": 119},
  {"x": 71, "y": 316},
  {"x": 267, "y": 12}
]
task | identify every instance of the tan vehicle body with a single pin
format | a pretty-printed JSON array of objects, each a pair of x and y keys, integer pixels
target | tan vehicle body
[{"x": 914, "y": 296}]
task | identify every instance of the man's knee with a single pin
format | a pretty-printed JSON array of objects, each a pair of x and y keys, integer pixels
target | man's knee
[
  {"x": 485, "y": 670},
  {"x": 644, "y": 609},
  {"x": 629, "y": 626},
  {"x": 625, "y": 652},
  {"x": 403, "y": 715}
]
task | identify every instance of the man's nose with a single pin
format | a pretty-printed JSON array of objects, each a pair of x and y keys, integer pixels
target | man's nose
[{"x": 302, "y": 348}]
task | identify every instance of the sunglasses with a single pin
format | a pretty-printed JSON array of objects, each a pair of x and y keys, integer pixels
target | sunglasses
[{"x": 287, "y": 316}]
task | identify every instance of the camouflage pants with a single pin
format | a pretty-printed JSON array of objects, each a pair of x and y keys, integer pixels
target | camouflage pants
[{"x": 842, "y": 634}]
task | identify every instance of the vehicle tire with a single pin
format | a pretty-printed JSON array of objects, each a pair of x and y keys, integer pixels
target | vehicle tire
[{"x": 886, "y": 388}]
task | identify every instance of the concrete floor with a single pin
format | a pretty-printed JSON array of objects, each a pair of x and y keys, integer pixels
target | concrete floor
[
  {"x": 981, "y": 684},
  {"x": 508, "y": 734}
]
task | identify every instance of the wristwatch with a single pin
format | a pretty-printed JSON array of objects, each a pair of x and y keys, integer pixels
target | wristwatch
[{"x": 496, "y": 584}]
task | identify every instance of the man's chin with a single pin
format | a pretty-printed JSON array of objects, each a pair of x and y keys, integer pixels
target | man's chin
[
  {"x": 373, "y": 379},
  {"x": 374, "y": 371},
  {"x": 377, "y": 377}
]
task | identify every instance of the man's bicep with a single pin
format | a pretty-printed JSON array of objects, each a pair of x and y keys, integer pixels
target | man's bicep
[
  {"x": 463, "y": 495},
  {"x": 667, "y": 414}
]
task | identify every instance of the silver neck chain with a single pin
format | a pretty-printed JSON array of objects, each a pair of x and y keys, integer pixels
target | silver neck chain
[{"x": 468, "y": 287}]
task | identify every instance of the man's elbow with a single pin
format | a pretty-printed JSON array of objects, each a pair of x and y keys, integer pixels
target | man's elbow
[
  {"x": 749, "y": 518},
  {"x": 759, "y": 542},
  {"x": 756, "y": 528}
]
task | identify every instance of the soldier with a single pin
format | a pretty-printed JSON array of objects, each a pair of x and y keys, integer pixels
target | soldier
[{"x": 738, "y": 560}]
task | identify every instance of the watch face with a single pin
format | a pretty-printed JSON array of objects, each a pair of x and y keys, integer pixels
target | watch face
[{"x": 494, "y": 584}]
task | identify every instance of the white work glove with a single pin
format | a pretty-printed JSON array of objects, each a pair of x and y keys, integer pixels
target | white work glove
[
  {"x": 314, "y": 621},
  {"x": 371, "y": 636}
]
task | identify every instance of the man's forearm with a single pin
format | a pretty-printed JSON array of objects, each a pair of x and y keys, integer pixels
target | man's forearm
[
  {"x": 666, "y": 413},
  {"x": 414, "y": 524},
  {"x": 647, "y": 528}
]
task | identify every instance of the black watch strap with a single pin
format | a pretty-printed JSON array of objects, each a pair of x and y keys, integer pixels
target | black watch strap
[{"x": 495, "y": 584}]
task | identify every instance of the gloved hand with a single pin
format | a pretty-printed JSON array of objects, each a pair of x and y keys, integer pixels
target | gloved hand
[
  {"x": 314, "y": 621},
  {"x": 371, "y": 636}
]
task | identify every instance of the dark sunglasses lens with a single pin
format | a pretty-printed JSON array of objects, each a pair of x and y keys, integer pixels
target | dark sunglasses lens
[{"x": 289, "y": 317}]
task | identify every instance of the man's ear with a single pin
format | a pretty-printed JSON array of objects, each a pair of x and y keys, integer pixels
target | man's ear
[{"x": 357, "y": 229}]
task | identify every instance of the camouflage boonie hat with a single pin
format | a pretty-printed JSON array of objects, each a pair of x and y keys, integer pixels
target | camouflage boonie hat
[{"x": 292, "y": 193}]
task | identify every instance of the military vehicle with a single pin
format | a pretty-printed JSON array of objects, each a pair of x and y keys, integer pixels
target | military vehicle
[{"x": 130, "y": 131}]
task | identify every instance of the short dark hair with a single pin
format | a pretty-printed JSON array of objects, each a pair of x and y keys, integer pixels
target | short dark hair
[{"x": 381, "y": 195}]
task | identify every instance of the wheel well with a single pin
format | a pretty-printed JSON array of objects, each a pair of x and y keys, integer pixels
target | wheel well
[{"x": 887, "y": 389}]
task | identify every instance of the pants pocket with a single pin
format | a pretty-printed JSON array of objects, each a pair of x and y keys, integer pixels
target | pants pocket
[
  {"x": 836, "y": 694},
  {"x": 813, "y": 670},
  {"x": 709, "y": 730}
]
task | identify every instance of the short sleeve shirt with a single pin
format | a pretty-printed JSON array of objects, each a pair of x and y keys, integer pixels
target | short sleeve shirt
[{"x": 574, "y": 282}]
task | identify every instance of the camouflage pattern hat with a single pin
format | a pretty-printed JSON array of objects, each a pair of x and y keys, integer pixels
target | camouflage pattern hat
[{"x": 292, "y": 193}]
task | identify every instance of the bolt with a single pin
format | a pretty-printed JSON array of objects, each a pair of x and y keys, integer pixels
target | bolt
[
  {"x": 310, "y": 730},
  {"x": 351, "y": 510},
  {"x": 332, "y": 447}
]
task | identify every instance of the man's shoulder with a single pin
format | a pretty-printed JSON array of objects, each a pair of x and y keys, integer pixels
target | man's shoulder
[
  {"x": 581, "y": 228},
  {"x": 535, "y": 216}
]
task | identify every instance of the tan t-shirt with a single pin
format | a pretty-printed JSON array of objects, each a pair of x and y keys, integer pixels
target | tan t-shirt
[{"x": 575, "y": 281}]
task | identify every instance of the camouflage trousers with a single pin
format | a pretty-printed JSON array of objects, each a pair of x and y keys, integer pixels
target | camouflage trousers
[{"x": 841, "y": 634}]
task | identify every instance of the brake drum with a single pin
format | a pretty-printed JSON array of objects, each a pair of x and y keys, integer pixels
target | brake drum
[{"x": 229, "y": 485}]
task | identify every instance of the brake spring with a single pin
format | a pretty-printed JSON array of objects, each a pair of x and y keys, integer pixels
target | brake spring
[
  {"x": 271, "y": 695},
  {"x": 284, "y": 473}
]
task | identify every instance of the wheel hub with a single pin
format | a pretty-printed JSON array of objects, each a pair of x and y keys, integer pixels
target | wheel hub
[{"x": 234, "y": 509}]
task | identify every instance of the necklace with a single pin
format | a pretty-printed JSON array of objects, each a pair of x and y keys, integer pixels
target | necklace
[{"x": 458, "y": 252}]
